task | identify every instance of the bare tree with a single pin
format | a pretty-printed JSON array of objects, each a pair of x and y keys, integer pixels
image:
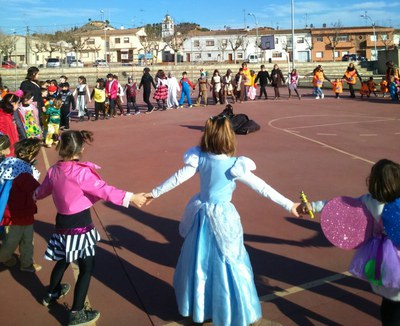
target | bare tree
[
  {"x": 7, "y": 44},
  {"x": 222, "y": 45},
  {"x": 333, "y": 39},
  {"x": 310, "y": 46},
  {"x": 175, "y": 42},
  {"x": 235, "y": 43},
  {"x": 245, "y": 43}
]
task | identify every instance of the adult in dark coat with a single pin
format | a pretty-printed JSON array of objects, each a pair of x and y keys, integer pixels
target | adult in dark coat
[
  {"x": 31, "y": 83},
  {"x": 146, "y": 82},
  {"x": 262, "y": 78},
  {"x": 277, "y": 80}
]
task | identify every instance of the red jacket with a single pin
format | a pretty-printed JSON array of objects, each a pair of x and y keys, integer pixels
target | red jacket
[
  {"x": 9, "y": 128},
  {"x": 112, "y": 89},
  {"x": 21, "y": 207}
]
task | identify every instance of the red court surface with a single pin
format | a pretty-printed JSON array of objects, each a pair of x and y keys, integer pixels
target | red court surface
[{"x": 324, "y": 147}]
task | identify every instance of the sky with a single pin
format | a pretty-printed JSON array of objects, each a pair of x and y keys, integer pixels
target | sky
[{"x": 46, "y": 16}]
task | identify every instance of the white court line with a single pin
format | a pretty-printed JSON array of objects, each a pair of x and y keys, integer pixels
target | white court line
[
  {"x": 322, "y": 134},
  {"x": 74, "y": 266},
  {"x": 368, "y": 135}
]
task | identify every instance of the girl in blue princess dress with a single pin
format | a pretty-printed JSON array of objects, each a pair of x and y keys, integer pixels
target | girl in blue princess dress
[{"x": 214, "y": 278}]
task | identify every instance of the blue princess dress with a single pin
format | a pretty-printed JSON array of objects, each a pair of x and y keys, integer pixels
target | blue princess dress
[{"x": 213, "y": 278}]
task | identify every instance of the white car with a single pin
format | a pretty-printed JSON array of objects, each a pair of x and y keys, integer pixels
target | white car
[
  {"x": 100, "y": 63},
  {"x": 76, "y": 64}
]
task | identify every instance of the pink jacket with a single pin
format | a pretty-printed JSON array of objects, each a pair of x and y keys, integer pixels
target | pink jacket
[
  {"x": 75, "y": 186},
  {"x": 112, "y": 89}
]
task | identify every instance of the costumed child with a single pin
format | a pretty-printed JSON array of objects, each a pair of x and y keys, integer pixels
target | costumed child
[
  {"x": 130, "y": 90},
  {"x": 173, "y": 89},
  {"x": 8, "y": 105},
  {"x": 53, "y": 127},
  {"x": 161, "y": 93},
  {"x": 293, "y": 80},
  {"x": 186, "y": 87},
  {"x": 393, "y": 89},
  {"x": 29, "y": 111},
  {"x": 252, "y": 90},
  {"x": 5, "y": 186},
  {"x": 216, "y": 82},
  {"x": 228, "y": 89},
  {"x": 82, "y": 92},
  {"x": 48, "y": 102},
  {"x": 68, "y": 102},
  {"x": 318, "y": 81},
  {"x": 337, "y": 87},
  {"x": 99, "y": 97},
  {"x": 203, "y": 85},
  {"x": 384, "y": 87},
  {"x": 76, "y": 186},
  {"x": 22, "y": 177},
  {"x": 213, "y": 277},
  {"x": 370, "y": 225},
  {"x": 364, "y": 90},
  {"x": 371, "y": 86}
]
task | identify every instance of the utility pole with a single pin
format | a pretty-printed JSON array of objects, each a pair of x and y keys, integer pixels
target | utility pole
[{"x": 27, "y": 54}]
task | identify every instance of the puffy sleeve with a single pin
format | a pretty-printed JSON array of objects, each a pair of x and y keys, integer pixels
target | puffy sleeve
[
  {"x": 242, "y": 171},
  {"x": 191, "y": 160}
]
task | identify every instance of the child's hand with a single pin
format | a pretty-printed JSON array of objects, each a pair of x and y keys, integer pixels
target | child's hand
[
  {"x": 296, "y": 209},
  {"x": 138, "y": 199},
  {"x": 149, "y": 198},
  {"x": 304, "y": 208}
]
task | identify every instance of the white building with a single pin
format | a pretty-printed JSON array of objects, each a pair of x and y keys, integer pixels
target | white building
[{"x": 167, "y": 27}]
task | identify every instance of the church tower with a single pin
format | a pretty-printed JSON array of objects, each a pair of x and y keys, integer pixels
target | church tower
[{"x": 168, "y": 26}]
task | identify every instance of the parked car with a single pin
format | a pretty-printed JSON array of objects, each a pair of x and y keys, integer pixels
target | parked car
[
  {"x": 53, "y": 63},
  {"x": 8, "y": 64},
  {"x": 76, "y": 64},
  {"x": 100, "y": 63},
  {"x": 252, "y": 58},
  {"x": 353, "y": 57}
]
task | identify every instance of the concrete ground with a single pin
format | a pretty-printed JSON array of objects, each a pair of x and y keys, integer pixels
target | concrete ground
[{"x": 324, "y": 147}]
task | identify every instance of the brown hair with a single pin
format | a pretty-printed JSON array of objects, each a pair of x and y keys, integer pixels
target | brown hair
[
  {"x": 7, "y": 102},
  {"x": 4, "y": 142},
  {"x": 27, "y": 149},
  {"x": 71, "y": 143},
  {"x": 57, "y": 103},
  {"x": 384, "y": 181},
  {"x": 218, "y": 137}
]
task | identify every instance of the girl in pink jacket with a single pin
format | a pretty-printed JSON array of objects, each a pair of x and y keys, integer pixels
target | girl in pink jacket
[{"x": 75, "y": 187}]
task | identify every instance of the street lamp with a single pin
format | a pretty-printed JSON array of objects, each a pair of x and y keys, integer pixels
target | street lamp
[
  {"x": 293, "y": 42},
  {"x": 255, "y": 20},
  {"x": 105, "y": 35},
  {"x": 373, "y": 29}
]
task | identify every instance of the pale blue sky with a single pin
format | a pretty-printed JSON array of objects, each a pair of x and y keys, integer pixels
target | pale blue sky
[{"x": 48, "y": 16}]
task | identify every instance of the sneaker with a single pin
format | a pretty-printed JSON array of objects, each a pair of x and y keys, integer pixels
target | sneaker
[
  {"x": 31, "y": 269},
  {"x": 322, "y": 95},
  {"x": 83, "y": 317},
  {"x": 180, "y": 107},
  {"x": 190, "y": 106},
  {"x": 11, "y": 262},
  {"x": 51, "y": 298},
  {"x": 150, "y": 110},
  {"x": 317, "y": 98},
  {"x": 137, "y": 112}
]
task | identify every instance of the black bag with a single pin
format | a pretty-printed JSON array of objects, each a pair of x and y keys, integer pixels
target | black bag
[{"x": 241, "y": 123}]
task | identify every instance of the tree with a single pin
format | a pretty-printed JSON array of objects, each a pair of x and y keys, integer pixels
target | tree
[
  {"x": 222, "y": 45},
  {"x": 333, "y": 38},
  {"x": 236, "y": 42},
  {"x": 175, "y": 42},
  {"x": 7, "y": 45}
]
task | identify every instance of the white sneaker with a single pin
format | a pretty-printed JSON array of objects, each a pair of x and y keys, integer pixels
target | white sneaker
[
  {"x": 317, "y": 98},
  {"x": 322, "y": 95}
]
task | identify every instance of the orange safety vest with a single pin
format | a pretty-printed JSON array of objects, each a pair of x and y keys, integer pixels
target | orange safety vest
[
  {"x": 351, "y": 76},
  {"x": 371, "y": 86},
  {"x": 337, "y": 87},
  {"x": 384, "y": 86},
  {"x": 318, "y": 79},
  {"x": 364, "y": 89}
]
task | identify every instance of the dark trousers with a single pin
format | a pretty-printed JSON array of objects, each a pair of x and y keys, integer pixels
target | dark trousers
[
  {"x": 131, "y": 101},
  {"x": 118, "y": 103},
  {"x": 263, "y": 90},
  {"x": 351, "y": 88},
  {"x": 111, "y": 110},
  {"x": 146, "y": 98},
  {"x": 82, "y": 284},
  {"x": 64, "y": 117},
  {"x": 99, "y": 107},
  {"x": 390, "y": 312}
]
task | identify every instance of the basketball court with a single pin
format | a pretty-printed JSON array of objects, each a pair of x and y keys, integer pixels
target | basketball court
[{"x": 324, "y": 147}]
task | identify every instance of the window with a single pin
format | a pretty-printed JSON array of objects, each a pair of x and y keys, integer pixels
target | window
[
  {"x": 126, "y": 40},
  {"x": 277, "y": 41},
  {"x": 209, "y": 42},
  {"x": 197, "y": 55},
  {"x": 300, "y": 40},
  {"x": 384, "y": 37},
  {"x": 196, "y": 43},
  {"x": 319, "y": 39},
  {"x": 276, "y": 54},
  {"x": 117, "y": 40},
  {"x": 208, "y": 55},
  {"x": 240, "y": 55},
  {"x": 90, "y": 41},
  {"x": 373, "y": 38},
  {"x": 319, "y": 54},
  {"x": 342, "y": 38},
  {"x": 337, "y": 54}
]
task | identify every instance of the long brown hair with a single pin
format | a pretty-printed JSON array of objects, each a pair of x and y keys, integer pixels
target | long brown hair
[{"x": 218, "y": 137}]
